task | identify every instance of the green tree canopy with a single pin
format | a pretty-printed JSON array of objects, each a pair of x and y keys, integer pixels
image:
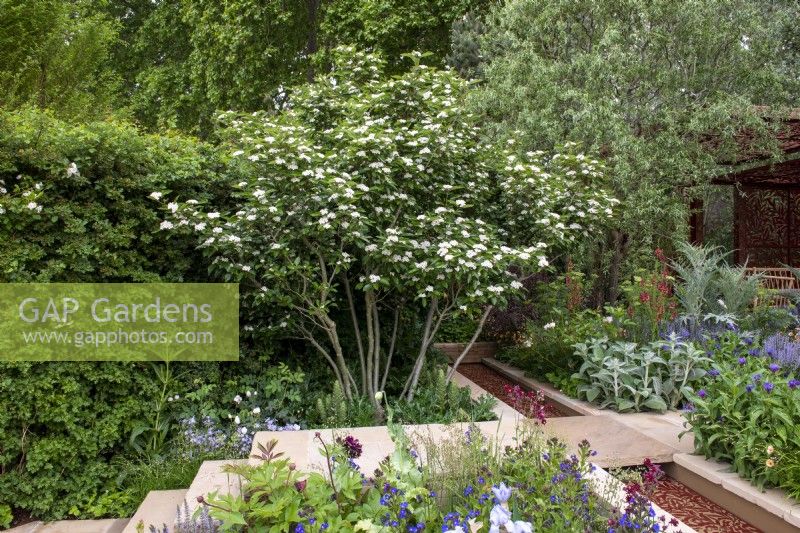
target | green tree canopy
[
  {"x": 184, "y": 59},
  {"x": 371, "y": 194},
  {"x": 648, "y": 83},
  {"x": 57, "y": 54}
]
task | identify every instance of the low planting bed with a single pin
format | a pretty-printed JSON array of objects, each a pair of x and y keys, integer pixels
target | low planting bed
[
  {"x": 698, "y": 490},
  {"x": 469, "y": 477}
]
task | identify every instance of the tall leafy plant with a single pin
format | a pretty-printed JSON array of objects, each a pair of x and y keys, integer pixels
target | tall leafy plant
[
  {"x": 737, "y": 289},
  {"x": 710, "y": 290},
  {"x": 696, "y": 271}
]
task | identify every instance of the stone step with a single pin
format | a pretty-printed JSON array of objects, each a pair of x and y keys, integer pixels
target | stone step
[
  {"x": 158, "y": 509},
  {"x": 211, "y": 478}
]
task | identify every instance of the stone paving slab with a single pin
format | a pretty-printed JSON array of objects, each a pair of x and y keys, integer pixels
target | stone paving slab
[
  {"x": 304, "y": 448},
  {"x": 158, "y": 508},
  {"x": 663, "y": 427},
  {"x": 617, "y": 444},
  {"x": 110, "y": 525}
]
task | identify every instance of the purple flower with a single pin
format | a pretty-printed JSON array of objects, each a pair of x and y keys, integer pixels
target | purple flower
[
  {"x": 742, "y": 360},
  {"x": 783, "y": 349},
  {"x": 793, "y": 384},
  {"x": 774, "y": 368},
  {"x": 756, "y": 377},
  {"x": 352, "y": 446},
  {"x": 749, "y": 387},
  {"x": 768, "y": 386},
  {"x": 713, "y": 372},
  {"x": 701, "y": 393}
]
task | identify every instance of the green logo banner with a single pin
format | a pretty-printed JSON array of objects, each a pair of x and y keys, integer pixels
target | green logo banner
[{"x": 119, "y": 321}]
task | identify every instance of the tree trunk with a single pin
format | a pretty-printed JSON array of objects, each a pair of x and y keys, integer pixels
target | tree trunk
[
  {"x": 621, "y": 245},
  {"x": 312, "y": 6},
  {"x": 356, "y": 330},
  {"x": 333, "y": 337},
  {"x": 392, "y": 345},
  {"x": 427, "y": 335},
  {"x": 474, "y": 338}
]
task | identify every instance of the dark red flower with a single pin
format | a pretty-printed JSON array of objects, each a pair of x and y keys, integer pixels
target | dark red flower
[{"x": 351, "y": 446}]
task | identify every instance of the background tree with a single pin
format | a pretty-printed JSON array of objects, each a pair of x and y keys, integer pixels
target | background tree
[
  {"x": 190, "y": 58},
  {"x": 57, "y": 55},
  {"x": 182, "y": 60},
  {"x": 465, "y": 47},
  {"x": 646, "y": 83},
  {"x": 395, "y": 27}
]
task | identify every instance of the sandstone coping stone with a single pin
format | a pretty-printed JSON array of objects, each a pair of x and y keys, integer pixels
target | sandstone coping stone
[
  {"x": 211, "y": 478},
  {"x": 158, "y": 508},
  {"x": 711, "y": 470},
  {"x": 718, "y": 473},
  {"x": 793, "y": 517}
]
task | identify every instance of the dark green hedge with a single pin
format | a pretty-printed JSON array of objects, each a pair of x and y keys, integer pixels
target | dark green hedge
[
  {"x": 99, "y": 224},
  {"x": 61, "y": 424}
]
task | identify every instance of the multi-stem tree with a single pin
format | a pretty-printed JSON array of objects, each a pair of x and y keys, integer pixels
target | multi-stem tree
[{"x": 370, "y": 195}]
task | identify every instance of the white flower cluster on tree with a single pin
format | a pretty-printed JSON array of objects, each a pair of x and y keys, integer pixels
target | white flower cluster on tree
[{"x": 374, "y": 196}]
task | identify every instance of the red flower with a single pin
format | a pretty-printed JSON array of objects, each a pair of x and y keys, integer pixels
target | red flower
[{"x": 644, "y": 297}]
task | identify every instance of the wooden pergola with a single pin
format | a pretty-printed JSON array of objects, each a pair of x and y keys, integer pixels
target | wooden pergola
[{"x": 766, "y": 205}]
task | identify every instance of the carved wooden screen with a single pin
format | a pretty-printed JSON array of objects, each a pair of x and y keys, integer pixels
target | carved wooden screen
[{"x": 767, "y": 226}]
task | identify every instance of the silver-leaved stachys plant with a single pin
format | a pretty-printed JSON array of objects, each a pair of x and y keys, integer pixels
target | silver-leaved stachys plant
[{"x": 627, "y": 376}]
